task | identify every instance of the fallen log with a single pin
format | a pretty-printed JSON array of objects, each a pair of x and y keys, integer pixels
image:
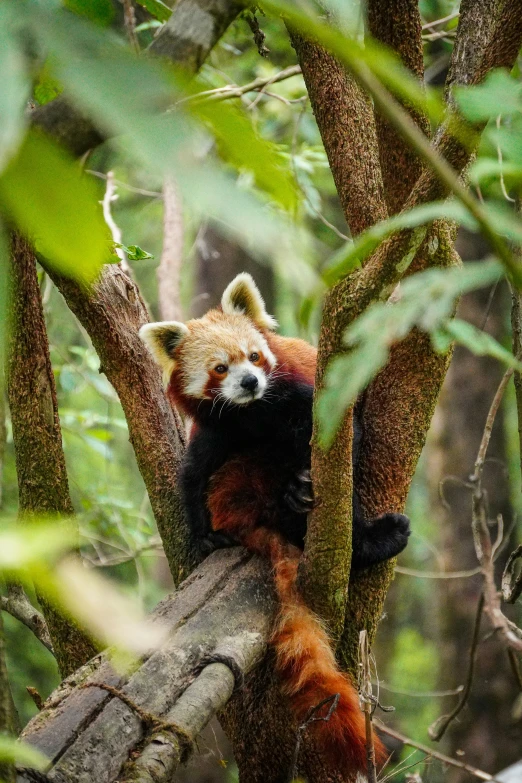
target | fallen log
[{"x": 140, "y": 726}]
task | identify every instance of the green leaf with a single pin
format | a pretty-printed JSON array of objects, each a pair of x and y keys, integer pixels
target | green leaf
[
  {"x": 15, "y": 89},
  {"x": 351, "y": 255},
  {"x": 13, "y": 751},
  {"x": 99, "y": 11},
  {"x": 134, "y": 252},
  {"x": 426, "y": 301},
  {"x": 241, "y": 145},
  {"x": 499, "y": 93},
  {"x": 45, "y": 193},
  {"x": 46, "y": 87},
  {"x": 157, "y": 8},
  {"x": 477, "y": 341}
]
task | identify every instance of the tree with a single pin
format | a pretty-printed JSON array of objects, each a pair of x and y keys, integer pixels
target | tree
[{"x": 392, "y": 183}]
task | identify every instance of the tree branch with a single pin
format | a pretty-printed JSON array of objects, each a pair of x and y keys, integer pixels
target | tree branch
[
  {"x": 399, "y": 404},
  {"x": 19, "y": 606},
  {"x": 7, "y": 716},
  {"x": 90, "y": 733},
  {"x": 400, "y": 29},
  {"x": 112, "y": 312},
  {"x": 40, "y": 463},
  {"x": 194, "y": 28}
]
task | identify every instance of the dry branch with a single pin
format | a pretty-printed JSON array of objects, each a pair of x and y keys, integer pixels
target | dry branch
[
  {"x": 40, "y": 463},
  {"x": 477, "y": 773},
  {"x": 224, "y": 608},
  {"x": 481, "y": 536}
]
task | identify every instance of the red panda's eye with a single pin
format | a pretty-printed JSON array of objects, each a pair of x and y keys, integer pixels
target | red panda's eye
[
  {"x": 254, "y": 357},
  {"x": 221, "y": 368}
]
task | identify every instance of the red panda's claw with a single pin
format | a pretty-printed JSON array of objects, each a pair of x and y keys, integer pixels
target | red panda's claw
[{"x": 299, "y": 496}]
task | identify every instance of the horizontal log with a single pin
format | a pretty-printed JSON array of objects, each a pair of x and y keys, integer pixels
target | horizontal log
[{"x": 224, "y": 608}]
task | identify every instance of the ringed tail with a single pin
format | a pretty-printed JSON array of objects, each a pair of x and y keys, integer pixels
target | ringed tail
[{"x": 307, "y": 666}]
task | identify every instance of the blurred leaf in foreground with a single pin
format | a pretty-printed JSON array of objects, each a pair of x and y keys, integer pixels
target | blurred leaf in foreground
[
  {"x": 12, "y": 751},
  {"x": 426, "y": 301},
  {"x": 44, "y": 192}
]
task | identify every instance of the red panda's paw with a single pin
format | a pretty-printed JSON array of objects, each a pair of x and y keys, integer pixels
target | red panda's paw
[
  {"x": 299, "y": 495},
  {"x": 216, "y": 539}
]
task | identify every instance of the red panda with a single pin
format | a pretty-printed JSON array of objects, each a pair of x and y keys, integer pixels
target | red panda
[{"x": 245, "y": 479}]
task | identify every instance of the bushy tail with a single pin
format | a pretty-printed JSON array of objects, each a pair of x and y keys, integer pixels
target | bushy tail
[{"x": 307, "y": 665}]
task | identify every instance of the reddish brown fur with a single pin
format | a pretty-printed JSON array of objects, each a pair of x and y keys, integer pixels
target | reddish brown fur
[
  {"x": 293, "y": 355},
  {"x": 306, "y": 663}
]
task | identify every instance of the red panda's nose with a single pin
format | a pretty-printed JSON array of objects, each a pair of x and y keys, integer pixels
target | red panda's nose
[{"x": 249, "y": 382}]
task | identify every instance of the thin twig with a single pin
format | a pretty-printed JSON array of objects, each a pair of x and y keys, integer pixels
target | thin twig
[
  {"x": 478, "y": 773},
  {"x": 438, "y": 574},
  {"x": 235, "y": 91},
  {"x": 110, "y": 196},
  {"x": 484, "y": 548},
  {"x": 437, "y": 22},
  {"x": 259, "y": 35},
  {"x": 129, "y": 19},
  {"x": 437, "y": 730},
  {"x": 500, "y": 163},
  {"x": 125, "y": 185},
  {"x": 365, "y": 694}
]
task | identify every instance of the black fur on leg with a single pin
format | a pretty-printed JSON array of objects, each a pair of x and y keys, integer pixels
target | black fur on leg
[{"x": 379, "y": 539}]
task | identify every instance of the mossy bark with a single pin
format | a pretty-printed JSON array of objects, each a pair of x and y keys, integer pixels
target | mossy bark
[{"x": 40, "y": 464}]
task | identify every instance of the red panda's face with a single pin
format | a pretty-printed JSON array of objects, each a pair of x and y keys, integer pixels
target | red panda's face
[{"x": 222, "y": 356}]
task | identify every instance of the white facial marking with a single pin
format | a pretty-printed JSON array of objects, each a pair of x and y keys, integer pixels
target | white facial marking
[{"x": 232, "y": 389}]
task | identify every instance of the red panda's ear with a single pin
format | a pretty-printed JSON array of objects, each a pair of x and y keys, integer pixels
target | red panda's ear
[
  {"x": 162, "y": 339},
  {"x": 242, "y": 297}
]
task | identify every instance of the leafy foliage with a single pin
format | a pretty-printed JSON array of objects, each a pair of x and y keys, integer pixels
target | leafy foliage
[{"x": 425, "y": 301}]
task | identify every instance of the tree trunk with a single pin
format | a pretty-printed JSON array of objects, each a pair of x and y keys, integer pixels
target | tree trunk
[{"x": 40, "y": 462}]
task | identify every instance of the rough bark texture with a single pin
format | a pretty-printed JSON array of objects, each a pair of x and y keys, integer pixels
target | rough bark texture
[
  {"x": 193, "y": 29},
  {"x": 40, "y": 464},
  {"x": 399, "y": 27},
  {"x": 224, "y": 608},
  {"x": 468, "y": 391},
  {"x": 112, "y": 313},
  {"x": 345, "y": 120}
]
